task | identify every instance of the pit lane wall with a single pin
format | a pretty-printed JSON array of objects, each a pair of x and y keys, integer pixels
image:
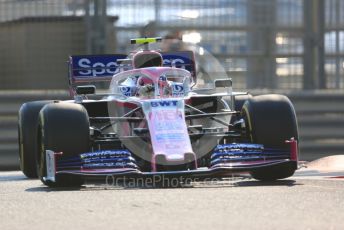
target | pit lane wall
[{"x": 320, "y": 116}]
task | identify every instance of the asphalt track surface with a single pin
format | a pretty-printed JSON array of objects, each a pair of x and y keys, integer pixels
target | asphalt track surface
[{"x": 309, "y": 200}]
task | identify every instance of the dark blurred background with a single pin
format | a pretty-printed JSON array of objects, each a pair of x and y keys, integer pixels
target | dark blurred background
[{"x": 294, "y": 47}]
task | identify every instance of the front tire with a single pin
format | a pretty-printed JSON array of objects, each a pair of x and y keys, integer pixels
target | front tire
[
  {"x": 240, "y": 100},
  {"x": 271, "y": 120},
  {"x": 63, "y": 127},
  {"x": 27, "y": 139}
]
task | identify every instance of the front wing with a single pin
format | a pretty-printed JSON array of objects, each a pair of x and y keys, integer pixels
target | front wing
[
  {"x": 132, "y": 173},
  {"x": 198, "y": 173}
]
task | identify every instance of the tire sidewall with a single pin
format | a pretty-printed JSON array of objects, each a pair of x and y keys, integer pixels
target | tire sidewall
[
  {"x": 27, "y": 129},
  {"x": 63, "y": 127},
  {"x": 270, "y": 120}
]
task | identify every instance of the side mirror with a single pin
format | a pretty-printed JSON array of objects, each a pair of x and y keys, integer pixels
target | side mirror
[
  {"x": 223, "y": 83},
  {"x": 85, "y": 89}
]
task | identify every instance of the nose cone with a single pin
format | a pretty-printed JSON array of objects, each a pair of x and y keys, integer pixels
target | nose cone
[{"x": 173, "y": 162}]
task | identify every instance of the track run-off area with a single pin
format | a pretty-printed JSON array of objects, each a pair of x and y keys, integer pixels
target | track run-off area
[{"x": 312, "y": 199}]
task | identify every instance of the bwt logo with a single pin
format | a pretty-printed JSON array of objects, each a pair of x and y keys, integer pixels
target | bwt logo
[
  {"x": 163, "y": 103},
  {"x": 98, "y": 68}
]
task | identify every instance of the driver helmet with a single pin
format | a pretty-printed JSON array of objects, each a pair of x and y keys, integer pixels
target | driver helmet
[{"x": 145, "y": 87}]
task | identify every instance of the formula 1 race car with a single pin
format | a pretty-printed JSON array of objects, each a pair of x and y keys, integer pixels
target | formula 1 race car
[{"x": 154, "y": 120}]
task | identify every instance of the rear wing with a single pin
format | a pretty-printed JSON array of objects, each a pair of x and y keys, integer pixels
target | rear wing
[{"x": 86, "y": 69}]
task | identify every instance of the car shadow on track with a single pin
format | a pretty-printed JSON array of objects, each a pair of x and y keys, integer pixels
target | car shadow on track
[
  {"x": 287, "y": 183},
  {"x": 48, "y": 189}
]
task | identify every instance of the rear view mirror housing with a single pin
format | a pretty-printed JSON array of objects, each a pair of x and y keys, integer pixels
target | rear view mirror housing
[
  {"x": 86, "y": 89},
  {"x": 223, "y": 83}
]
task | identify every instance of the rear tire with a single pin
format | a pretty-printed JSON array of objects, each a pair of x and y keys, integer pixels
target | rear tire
[
  {"x": 63, "y": 127},
  {"x": 27, "y": 139},
  {"x": 271, "y": 120}
]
